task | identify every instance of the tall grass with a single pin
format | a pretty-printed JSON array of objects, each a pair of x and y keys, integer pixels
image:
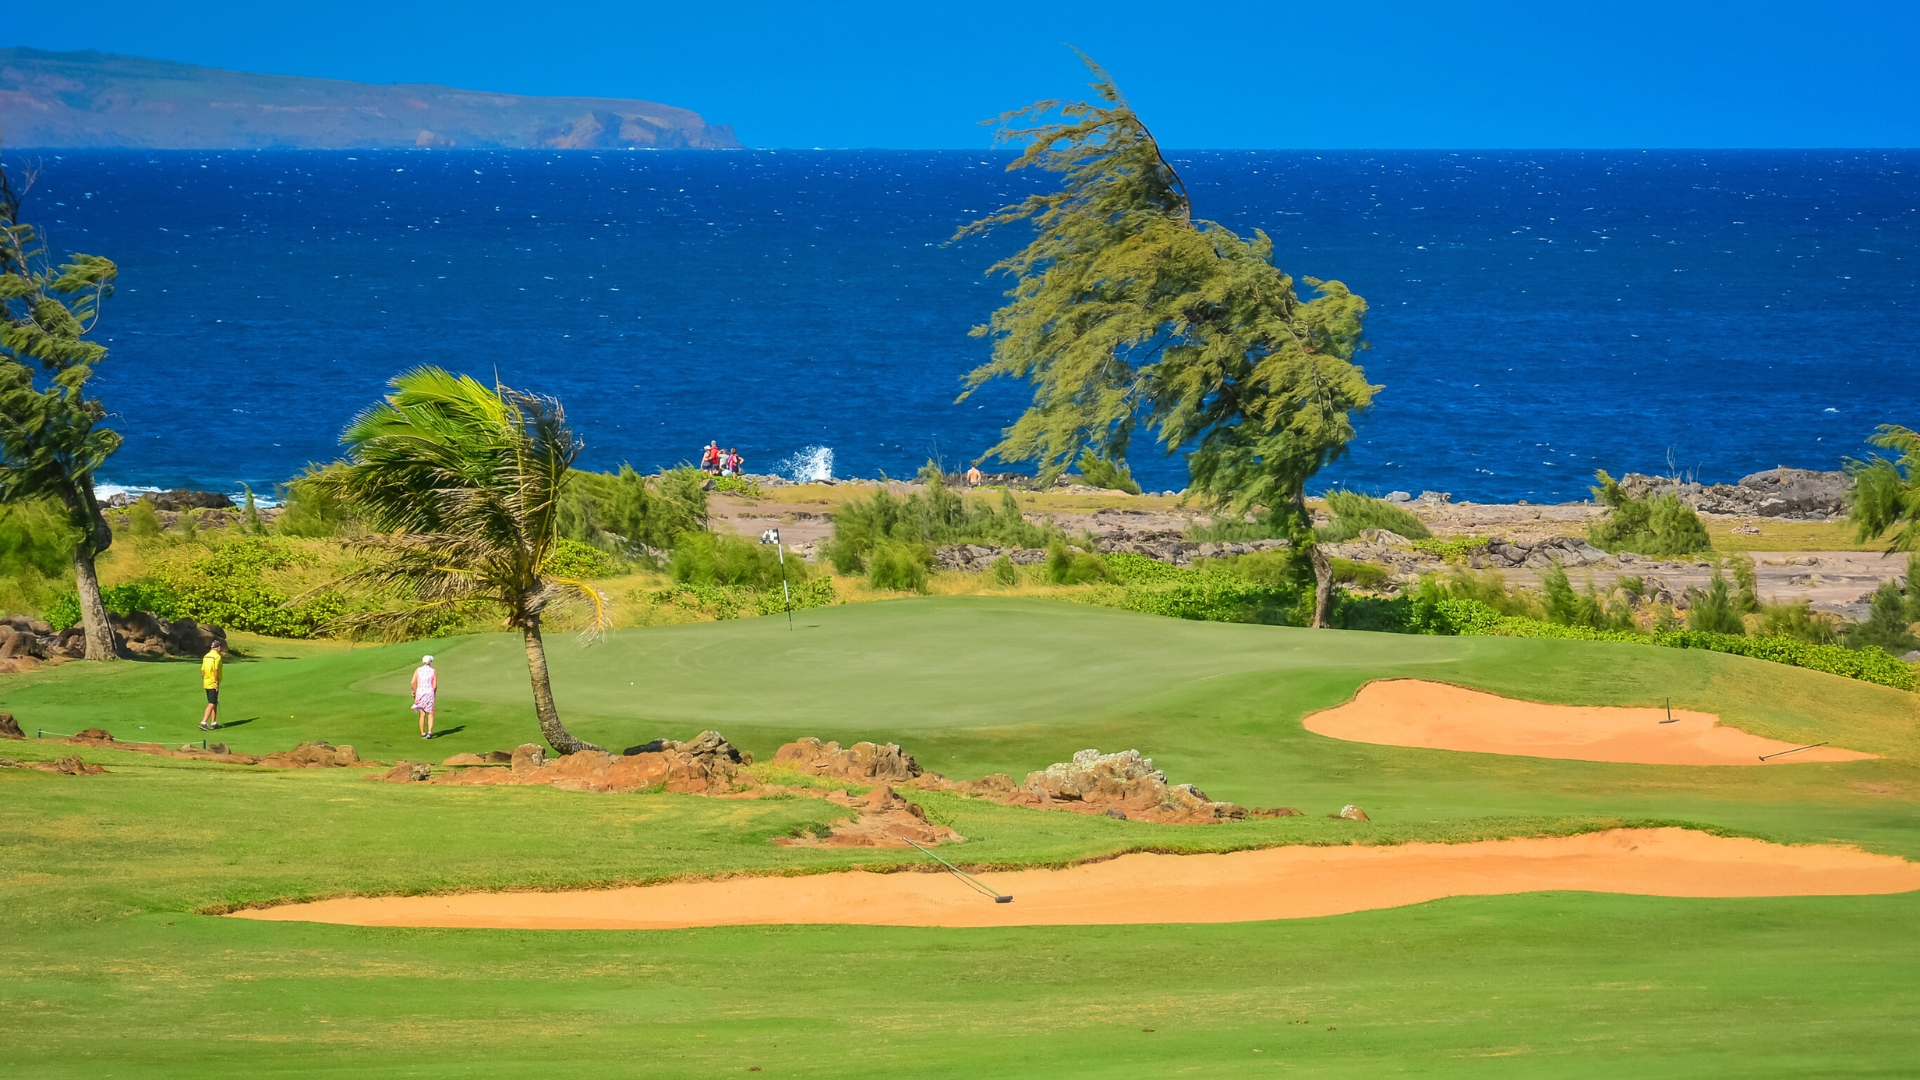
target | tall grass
[{"x": 36, "y": 552}]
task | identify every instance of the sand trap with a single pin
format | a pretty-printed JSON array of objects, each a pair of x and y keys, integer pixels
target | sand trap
[
  {"x": 1276, "y": 883},
  {"x": 1411, "y": 712}
]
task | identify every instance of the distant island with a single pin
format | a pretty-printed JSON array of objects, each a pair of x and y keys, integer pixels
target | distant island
[{"x": 98, "y": 100}]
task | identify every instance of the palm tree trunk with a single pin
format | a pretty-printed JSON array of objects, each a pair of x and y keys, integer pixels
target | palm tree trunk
[
  {"x": 1322, "y": 585},
  {"x": 557, "y": 736},
  {"x": 93, "y": 613}
]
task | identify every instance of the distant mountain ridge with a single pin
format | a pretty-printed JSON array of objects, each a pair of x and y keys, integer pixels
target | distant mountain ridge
[{"x": 99, "y": 100}]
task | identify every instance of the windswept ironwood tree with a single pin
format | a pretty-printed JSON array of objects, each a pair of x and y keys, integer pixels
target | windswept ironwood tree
[
  {"x": 51, "y": 441},
  {"x": 459, "y": 485},
  {"x": 1130, "y": 314},
  {"x": 1886, "y": 494}
]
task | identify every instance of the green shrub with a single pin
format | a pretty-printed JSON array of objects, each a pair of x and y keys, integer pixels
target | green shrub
[
  {"x": 1109, "y": 473},
  {"x": 571, "y": 558},
  {"x": 146, "y": 594},
  {"x": 1798, "y": 621},
  {"x": 934, "y": 517},
  {"x": 704, "y": 558},
  {"x": 1889, "y": 623},
  {"x": 626, "y": 513},
  {"x": 738, "y": 485},
  {"x": 1488, "y": 588},
  {"x": 309, "y": 506},
  {"x": 739, "y": 601},
  {"x": 1353, "y": 512},
  {"x": 1591, "y": 608},
  {"x": 1003, "y": 572},
  {"x": 1361, "y": 575},
  {"x": 1868, "y": 665},
  {"x": 36, "y": 553},
  {"x": 1208, "y": 595},
  {"x": 1451, "y": 548},
  {"x": 895, "y": 564},
  {"x": 1658, "y": 525},
  {"x": 1066, "y": 566},
  {"x": 143, "y": 521},
  {"x": 1713, "y": 609},
  {"x": 226, "y": 587}
]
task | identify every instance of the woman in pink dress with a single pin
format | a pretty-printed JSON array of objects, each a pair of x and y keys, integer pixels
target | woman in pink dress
[{"x": 426, "y": 683}]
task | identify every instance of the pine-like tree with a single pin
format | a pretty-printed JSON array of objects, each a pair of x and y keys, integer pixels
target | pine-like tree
[
  {"x": 51, "y": 440},
  {"x": 1130, "y": 314}
]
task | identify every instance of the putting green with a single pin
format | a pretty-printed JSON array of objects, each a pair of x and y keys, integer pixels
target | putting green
[{"x": 103, "y": 962}]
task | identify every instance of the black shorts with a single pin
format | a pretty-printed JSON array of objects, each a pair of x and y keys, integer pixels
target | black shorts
[{"x": 213, "y": 696}]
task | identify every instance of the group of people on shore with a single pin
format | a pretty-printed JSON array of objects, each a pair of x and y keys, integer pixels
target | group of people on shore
[{"x": 720, "y": 462}]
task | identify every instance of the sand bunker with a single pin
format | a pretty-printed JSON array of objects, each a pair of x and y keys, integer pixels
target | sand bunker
[
  {"x": 1411, "y": 712},
  {"x": 1247, "y": 886}
]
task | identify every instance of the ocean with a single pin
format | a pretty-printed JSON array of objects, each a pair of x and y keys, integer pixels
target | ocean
[{"x": 1534, "y": 315}]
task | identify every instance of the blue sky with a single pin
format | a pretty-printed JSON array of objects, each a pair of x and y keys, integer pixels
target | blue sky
[{"x": 1221, "y": 75}]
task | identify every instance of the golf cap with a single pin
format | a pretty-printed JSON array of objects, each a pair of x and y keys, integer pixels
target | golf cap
[{"x": 426, "y": 659}]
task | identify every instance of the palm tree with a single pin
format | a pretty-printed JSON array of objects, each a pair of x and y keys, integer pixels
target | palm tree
[{"x": 459, "y": 485}]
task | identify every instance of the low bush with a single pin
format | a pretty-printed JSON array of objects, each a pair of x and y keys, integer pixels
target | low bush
[
  {"x": 1891, "y": 613},
  {"x": 574, "y": 559},
  {"x": 1066, "y": 566},
  {"x": 1591, "y": 608},
  {"x": 1361, "y": 575},
  {"x": 1109, "y": 473},
  {"x": 1798, "y": 621},
  {"x": 739, "y": 601},
  {"x": 1353, "y": 513},
  {"x": 1003, "y": 572},
  {"x": 1451, "y": 548},
  {"x": 738, "y": 485},
  {"x": 1868, "y": 664},
  {"x": 898, "y": 565},
  {"x": 1714, "y": 610},
  {"x": 704, "y": 558},
  {"x": 934, "y": 517},
  {"x": 226, "y": 587},
  {"x": 1238, "y": 530},
  {"x": 309, "y": 506},
  {"x": 1208, "y": 595},
  {"x": 629, "y": 514},
  {"x": 1657, "y": 525},
  {"x": 36, "y": 555}
]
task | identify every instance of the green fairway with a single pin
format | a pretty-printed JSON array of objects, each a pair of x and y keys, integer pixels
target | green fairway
[{"x": 104, "y": 960}]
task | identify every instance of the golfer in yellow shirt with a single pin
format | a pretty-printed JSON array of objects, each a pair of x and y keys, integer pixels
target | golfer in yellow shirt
[{"x": 210, "y": 666}]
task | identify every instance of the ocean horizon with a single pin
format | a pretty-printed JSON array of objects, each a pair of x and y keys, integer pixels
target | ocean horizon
[{"x": 1535, "y": 315}]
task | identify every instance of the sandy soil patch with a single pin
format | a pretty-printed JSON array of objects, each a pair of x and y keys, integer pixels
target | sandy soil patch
[
  {"x": 1246, "y": 886},
  {"x": 1413, "y": 712}
]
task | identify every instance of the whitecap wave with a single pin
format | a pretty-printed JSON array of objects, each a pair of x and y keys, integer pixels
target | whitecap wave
[{"x": 809, "y": 466}]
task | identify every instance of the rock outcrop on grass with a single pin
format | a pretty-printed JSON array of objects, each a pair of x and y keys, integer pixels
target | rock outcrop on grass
[
  {"x": 706, "y": 764},
  {"x": 863, "y": 761},
  {"x": 885, "y": 821},
  {"x": 1095, "y": 783}
]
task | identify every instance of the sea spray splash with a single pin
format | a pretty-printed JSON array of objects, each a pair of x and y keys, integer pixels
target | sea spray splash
[{"x": 811, "y": 465}]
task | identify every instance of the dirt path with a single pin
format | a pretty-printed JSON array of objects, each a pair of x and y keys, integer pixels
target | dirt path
[
  {"x": 1412, "y": 712},
  {"x": 1246, "y": 886}
]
